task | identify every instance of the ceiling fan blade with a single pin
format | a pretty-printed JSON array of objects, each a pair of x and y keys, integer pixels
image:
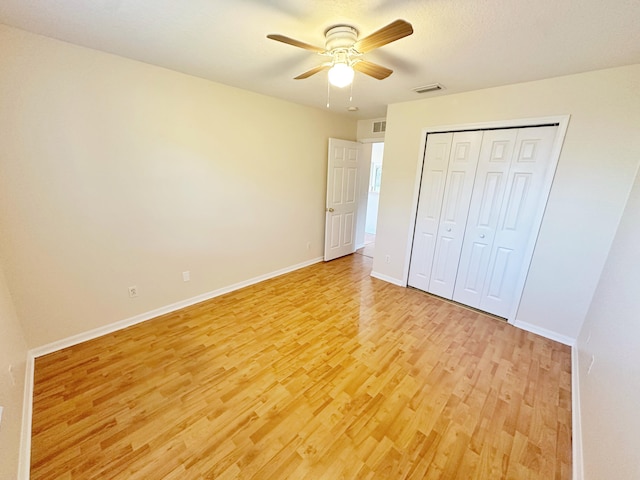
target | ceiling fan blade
[
  {"x": 313, "y": 71},
  {"x": 392, "y": 32},
  {"x": 295, "y": 43},
  {"x": 372, "y": 69}
]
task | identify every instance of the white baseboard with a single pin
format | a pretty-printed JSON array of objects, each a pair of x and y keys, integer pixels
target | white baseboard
[
  {"x": 25, "y": 441},
  {"x": 576, "y": 422},
  {"x": 24, "y": 461},
  {"x": 143, "y": 317},
  {"x": 543, "y": 332},
  {"x": 388, "y": 279},
  {"x": 24, "y": 466}
]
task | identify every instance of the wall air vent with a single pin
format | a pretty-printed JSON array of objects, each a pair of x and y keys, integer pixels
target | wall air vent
[
  {"x": 379, "y": 127},
  {"x": 434, "y": 87}
]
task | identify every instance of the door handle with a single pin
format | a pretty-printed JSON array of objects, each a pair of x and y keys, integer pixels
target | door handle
[
  {"x": 330, "y": 209},
  {"x": 482, "y": 235}
]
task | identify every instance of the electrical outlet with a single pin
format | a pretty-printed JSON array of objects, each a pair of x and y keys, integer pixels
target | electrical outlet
[
  {"x": 186, "y": 276},
  {"x": 308, "y": 245},
  {"x": 387, "y": 258},
  {"x": 133, "y": 291}
]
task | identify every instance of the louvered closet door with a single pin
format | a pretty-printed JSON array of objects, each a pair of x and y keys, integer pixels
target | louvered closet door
[{"x": 523, "y": 196}]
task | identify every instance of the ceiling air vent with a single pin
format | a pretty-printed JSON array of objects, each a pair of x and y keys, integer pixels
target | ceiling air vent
[
  {"x": 434, "y": 87},
  {"x": 379, "y": 127}
]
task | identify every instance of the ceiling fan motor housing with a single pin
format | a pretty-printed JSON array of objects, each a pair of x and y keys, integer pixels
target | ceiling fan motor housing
[
  {"x": 345, "y": 50},
  {"x": 340, "y": 37}
]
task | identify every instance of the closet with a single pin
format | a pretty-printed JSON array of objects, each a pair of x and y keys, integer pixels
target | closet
[{"x": 479, "y": 194}]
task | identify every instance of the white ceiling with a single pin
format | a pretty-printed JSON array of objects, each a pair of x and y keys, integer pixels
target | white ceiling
[{"x": 462, "y": 44}]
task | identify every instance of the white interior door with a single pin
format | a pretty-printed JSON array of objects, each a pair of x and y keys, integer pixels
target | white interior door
[
  {"x": 434, "y": 175},
  {"x": 342, "y": 198},
  {"x": 463, "y": 162},
  {"x": 488, "y": 192},
  {"x": 524, "y": 192}
]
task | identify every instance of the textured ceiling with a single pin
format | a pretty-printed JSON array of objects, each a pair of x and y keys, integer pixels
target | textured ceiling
[{"x": 462, "y": 44}]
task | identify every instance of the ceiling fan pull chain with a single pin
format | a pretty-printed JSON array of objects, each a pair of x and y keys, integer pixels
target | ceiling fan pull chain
[{"x": 328, "y": 92}]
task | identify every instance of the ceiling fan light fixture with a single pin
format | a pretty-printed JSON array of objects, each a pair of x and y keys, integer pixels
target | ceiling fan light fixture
[
  {"x": 341, "y": 75},
  {"x": 344, "y": 48}
]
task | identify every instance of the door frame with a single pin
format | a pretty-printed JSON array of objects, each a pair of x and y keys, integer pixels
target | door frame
[
  {"x": 367, "y": 156},
  {"x": 563, "y": 124}
]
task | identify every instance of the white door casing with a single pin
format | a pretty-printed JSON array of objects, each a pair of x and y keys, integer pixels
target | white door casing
[
  {"x": 342, "y": 198},
  {"x": 463, "y": 160}
]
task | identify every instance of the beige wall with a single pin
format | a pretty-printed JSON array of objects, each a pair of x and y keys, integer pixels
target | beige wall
[
  {"x": 13, "y": 352},
  {"x": 366, "y": 133},
  {"x": 610, "y": 393},
  {"x": 116, "y": 173},
  {"x": 593, "y": 178}
]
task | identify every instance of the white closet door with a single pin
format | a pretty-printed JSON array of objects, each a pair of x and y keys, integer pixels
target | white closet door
[
  {"x": 463, "y": 161},
  {"x": 523, "y": 195},
  {"x": 488, "y": 192},
  {"x": 434, "y": 174},
  {"x": 474, "y": 229}
]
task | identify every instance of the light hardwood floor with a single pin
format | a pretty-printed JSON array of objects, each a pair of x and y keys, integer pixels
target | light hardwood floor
[{"x": 323, "y": 373}]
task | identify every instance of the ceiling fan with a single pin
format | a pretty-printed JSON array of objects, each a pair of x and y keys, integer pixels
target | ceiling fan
[{"x": 345, "y": 51}]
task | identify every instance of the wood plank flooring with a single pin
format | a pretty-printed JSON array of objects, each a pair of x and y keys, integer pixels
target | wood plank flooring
[{"x": 323, "y": 373}]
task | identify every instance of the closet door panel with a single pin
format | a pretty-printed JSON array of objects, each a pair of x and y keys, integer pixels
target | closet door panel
[
  {"x": 434, "y": 174},
  {"x": 523, "y": 195},
  {"x": 486, "y": 200},
  {"x": 480, "y": 195},
  {"x": 463, "y": 162}
]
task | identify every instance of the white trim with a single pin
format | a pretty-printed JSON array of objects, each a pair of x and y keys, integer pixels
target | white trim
[
  {"x": 543, "y": 332},
  {"x": 576, "y": 418},
  {"x": 114, "y": 327},
  {"x": 518, "y": 122},
  {"x": 414, "y": 206},
  {"x": 371, "y": 140},
  {"x": 388, "y": 279},
  {"x": 24, "y": 466},
  {"x": 24, "y": 460},
  {"x": 563, "y": 123}
]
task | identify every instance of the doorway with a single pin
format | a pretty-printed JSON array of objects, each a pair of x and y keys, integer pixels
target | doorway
[{"x": 372, "y": 199}]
